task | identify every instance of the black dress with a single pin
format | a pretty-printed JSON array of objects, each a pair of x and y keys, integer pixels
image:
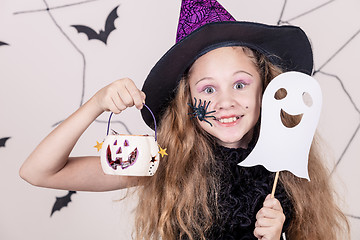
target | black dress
[{"x": 242, "y": 193}]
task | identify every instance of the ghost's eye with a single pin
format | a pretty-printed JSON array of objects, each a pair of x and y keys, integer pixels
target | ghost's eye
[
  {"x": 307, "y": 99},
  {"x": 280, "y": 94}
]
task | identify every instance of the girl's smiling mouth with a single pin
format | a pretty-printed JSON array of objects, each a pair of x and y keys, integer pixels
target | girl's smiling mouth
[{"x": 228, "y": 119}]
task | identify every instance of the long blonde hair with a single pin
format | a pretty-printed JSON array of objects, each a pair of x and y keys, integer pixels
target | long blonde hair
[
  {"x": 178, "y": 199},
  {"x": 181, "y": 198}
]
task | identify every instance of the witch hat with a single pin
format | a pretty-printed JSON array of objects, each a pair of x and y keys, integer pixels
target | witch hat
[{"x": 205, "y": 25}]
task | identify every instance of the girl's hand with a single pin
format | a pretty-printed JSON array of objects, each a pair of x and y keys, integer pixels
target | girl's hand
[
  {"x": 50, "y": 164},
  {"x": 119, "y": 95},
  {"x": 270, "y": 220}
]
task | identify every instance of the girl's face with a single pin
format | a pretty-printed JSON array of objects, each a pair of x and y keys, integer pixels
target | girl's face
[{"x": 230, "y": 80}]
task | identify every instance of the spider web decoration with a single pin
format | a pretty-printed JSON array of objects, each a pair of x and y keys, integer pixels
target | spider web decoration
[
  {"x": 329, "y": 67},
  {"x": 196, "y": 13},
  {"x": 319, "y": 71},
  {"x": 281, "y": 21},
  {"x": 77, "y": 49},
  {"x": 49, "y": 10},
  {"x": 58, "y": 205}
]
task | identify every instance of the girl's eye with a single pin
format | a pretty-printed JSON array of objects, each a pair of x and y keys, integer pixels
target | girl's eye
[
  {"x": 239, "y": 85},
  {"x": 209, "y": 90}
]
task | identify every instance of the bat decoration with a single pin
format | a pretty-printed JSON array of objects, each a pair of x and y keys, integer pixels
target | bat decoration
[
  {"x": 3, "y": 141},
  {"x": 3, "y": 43},
  {"x": 62, "y": 202},
  {"x": 103, "y": 34}
]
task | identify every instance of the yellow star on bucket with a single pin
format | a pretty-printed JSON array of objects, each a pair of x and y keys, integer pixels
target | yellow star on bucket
[
  {"x": 162, "y": 152},
  {"x": 98, "y": 145}
]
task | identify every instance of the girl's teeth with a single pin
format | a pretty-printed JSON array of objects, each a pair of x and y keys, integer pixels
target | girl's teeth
[{"x": 227, "y": 120}]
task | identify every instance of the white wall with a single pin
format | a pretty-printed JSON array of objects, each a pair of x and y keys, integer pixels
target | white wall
[{"x": 48, "y": 69}]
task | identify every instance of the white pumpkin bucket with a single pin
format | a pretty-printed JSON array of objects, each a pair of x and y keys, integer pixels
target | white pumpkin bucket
[{"x": 130, "y": 155}]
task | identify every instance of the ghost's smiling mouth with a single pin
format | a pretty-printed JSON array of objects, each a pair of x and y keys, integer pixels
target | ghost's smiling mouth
[{"x": 289, "y": 120}]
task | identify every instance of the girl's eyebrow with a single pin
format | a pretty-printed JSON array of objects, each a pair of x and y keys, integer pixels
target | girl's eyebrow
[
  {"x": 210, "y": 78},
  {"x": 242, "y": 71},
  {"x": 204, "y": 78}
]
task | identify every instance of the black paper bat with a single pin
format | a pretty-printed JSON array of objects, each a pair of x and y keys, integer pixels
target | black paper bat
[
  {"x": 3, "y": 141},
  {"x": 62, "y": 202},
  {"x": 102, "y": 35},
  {"x": 3, "y": 43}
]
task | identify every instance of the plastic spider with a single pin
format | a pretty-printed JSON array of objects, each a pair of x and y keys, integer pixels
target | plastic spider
[{"x": 201, "y": 111}]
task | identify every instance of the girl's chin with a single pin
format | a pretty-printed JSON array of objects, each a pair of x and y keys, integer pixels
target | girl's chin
[
  {"x": 229, "y": 143},
  {"x": 239, "y": 141},
  {"x": 229, "y": 137}
]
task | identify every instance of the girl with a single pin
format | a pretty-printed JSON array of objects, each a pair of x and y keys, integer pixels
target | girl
[{"x": 199, "y": 191}]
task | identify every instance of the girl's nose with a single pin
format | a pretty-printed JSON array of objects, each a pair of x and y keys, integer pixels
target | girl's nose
[{"x": 225, "y": 101}]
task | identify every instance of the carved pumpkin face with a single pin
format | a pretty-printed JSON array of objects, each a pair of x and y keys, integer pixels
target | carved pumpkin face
[
  {"x": 130, "y": 155},
  {"x": 122, "y": 157}
]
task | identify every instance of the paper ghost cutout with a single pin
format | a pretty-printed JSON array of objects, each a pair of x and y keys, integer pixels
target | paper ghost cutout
[{"x": 287, "y": 148}]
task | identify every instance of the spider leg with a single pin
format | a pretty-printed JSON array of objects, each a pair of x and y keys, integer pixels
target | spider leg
[
  {"x": 210, "y": 112},
  {"x": 213, "y": 117},
  {"x": 192, "y": 113},
  {"x": 208, "y": 122},
  {"x": 210, "y": 117},
  {"x": 195, "y": 113},
  {"x": 206, "y": 107},
  {"x": 193, "y": 106},
  {"x": 199, "y": 103}
]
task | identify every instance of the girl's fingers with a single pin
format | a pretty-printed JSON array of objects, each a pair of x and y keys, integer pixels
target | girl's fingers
[
  {"x": 118, "y": 104},
  {"x": 143, "y": 96},
  {"x": 272, "y": 231},
  {"x": 136, "y": 98},
  {"x": 270, "y": 219},
  {"x": 131, "y": 95},
  {"x": 126, "y": 98},
  {"x": 268, "y": 222},
  {"x": 120, "y": 95},
  {"x": 140, "y": 99},
  {"x": 268, "y": 213},
  {"x": 260, "y": 232},
  {"x": 272, "y": 203}
]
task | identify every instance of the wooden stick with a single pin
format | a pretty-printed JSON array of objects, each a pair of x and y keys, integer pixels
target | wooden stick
[{"x": 274, "y": 185}]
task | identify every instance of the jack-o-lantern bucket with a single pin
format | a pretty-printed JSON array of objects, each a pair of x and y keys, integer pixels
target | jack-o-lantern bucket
[{"x": 130, "y": 155}]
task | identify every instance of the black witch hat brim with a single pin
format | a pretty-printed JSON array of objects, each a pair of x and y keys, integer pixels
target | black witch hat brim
[{"x": 285, "y": 46}]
